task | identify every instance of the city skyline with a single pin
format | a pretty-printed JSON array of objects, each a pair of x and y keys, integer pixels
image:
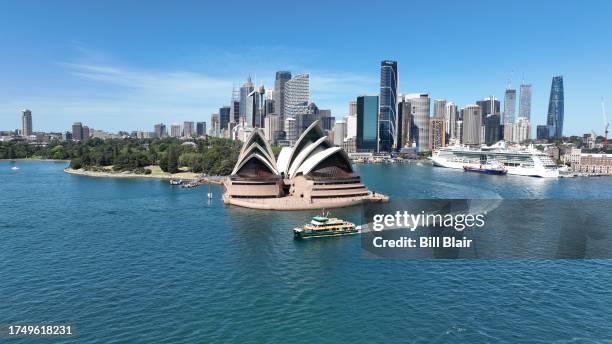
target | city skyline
[{"x": 72, "y": 74}]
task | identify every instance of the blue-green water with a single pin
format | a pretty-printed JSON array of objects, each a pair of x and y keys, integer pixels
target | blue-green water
[{"x": 139, "y": 261}]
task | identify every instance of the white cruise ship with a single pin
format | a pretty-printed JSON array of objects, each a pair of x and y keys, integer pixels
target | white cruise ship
[{"x": 523, "y": 162}]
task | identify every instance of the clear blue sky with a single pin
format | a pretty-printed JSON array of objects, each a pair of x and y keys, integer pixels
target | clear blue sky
[{"x": 127, "y": 65}]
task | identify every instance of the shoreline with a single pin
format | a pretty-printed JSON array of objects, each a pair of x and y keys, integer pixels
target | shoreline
[
  {"x": 166, "y": 176},
  {"x": 35, "y": 159}
]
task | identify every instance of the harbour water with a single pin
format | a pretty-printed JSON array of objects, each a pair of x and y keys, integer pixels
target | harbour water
[{"x": 129, "y": 261}]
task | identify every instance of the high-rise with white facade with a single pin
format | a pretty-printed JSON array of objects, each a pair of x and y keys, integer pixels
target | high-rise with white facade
[
  {"x": 245, "y": 90},
  {"x": 297, "y": 94},
  {"x": 175, "y": 130},
  {"x": 188, "y": 129}
]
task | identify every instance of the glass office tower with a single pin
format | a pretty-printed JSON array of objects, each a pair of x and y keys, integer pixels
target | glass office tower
[
  {"x": 367, "y": 123},
  {"x": 387, "y": 128},
  {"x": 555, "y": 108}
]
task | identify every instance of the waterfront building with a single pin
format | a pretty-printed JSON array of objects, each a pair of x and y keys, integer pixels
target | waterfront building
[
  {"x": 160, "y": 130},
  {"x": 387, "y": 123},
  {"x": 175, "y": 130},
  {"x": 339, "y": 132},
  {"x": 367, "y": 123},
  {"x": 188, "y": 129},
  {"x": 224, "y": 117},
  {"x": 200, "y": 129},
  {"x": 419, "y": 131},
  {"x": 311, "y": 172},
  {"x": 591, "y": 163},
  {"x": 77, "y": 131},
  {"x": 437, "y": 133},
  {"x": 245, "y": 90},
  {"x": 472, "y": 123},
  {"x": 279, "y": 93},
  {"x": 555, "y": 108},
  {"x": 349, "y": 144},
  {"x": 26, "y": 123},
  {"x": 352, "y": 108},
  {"x": 451, "y": 116},
  {"x": 525, "y": 101},
  {"x": 509, "y": 105}
]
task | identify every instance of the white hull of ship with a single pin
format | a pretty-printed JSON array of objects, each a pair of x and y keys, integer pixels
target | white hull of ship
[{"x": 514, "y": 170}]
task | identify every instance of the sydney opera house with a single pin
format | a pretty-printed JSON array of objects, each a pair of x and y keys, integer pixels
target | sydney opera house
[{"x": 312, "y": 174}]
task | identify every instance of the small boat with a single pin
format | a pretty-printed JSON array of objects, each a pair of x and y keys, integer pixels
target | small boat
[
  {"x": 490, "y": 168},
  {"x": 14, "y": 168},
  {"x": 322, "y": 226},
  {"x": 176, "y": 182},
  {"x": 190, "y": 185},
  {"x": 209, "y": 195}
]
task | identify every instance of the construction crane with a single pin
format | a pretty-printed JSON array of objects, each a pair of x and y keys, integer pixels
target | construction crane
[{"x": 606, "y": 124}]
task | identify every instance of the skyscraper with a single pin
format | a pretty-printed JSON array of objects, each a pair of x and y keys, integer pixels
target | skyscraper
[
  {"x": 352, "y": 108},
  {"x": 555, "y": 108},
  {"x": 404, "y": 123},
  {"x": 26, "y": 122},
  {"x": 525, "y": 101},
  {"x": 214, "y": 124},
  {"x": 224, "y": 117},
  {"x": 235, "y": 111},
  {"x": 451, "y": 116},
  {"x": 201, "y": 128},
  {"x": 509, "y": 105},
  {"x": 387, "y": 130},
  {"x": 245, "y": 90},
  {"x": 160, "y": 130},
  {"x": 419, "y": 131},
  {"x": 175, "y": 130},
  {"x": 472, "y": 123},
  {"x": 279, "y": 93},
  {"x": 437, "y": 133},
  {"x": 439, "y": 108},
  {"x": 77, "y": 131},
  {"x": 297, "y": 94},
  {"x": 188, "y": 129},
  {"x": 367, "y": 123}
]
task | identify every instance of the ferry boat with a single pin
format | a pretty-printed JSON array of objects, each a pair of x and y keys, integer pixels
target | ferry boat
[
  {"x": 176, "y": 182},
  {"x": 522, "y": 162},
  {"x": 322, "y": 226},
  {"x": 490, "y": 168}
]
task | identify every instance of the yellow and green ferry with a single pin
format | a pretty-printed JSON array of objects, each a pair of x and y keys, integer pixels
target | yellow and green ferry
[{"x": 323, "y": 226}]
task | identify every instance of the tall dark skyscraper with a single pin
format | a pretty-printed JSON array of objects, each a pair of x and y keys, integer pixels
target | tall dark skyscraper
[
  {"x": 367, "y": 123},
  {"x": 387, "y": 128},
  {"x": 235, "y": 111},
  {"x": 554, "y": 119},
  {"x": 224, "y": 117},
  {"x": 279, "y": 93}
]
